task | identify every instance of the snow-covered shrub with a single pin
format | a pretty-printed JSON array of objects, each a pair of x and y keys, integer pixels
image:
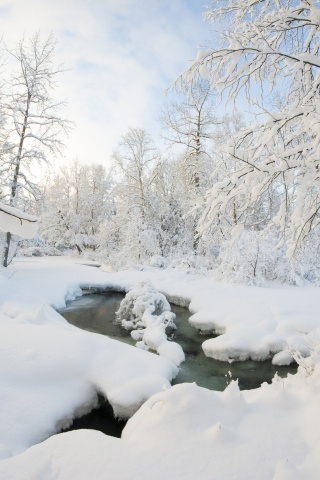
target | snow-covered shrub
[
  {"x": 36, "y": 247},
  {"x": 184, "y": 262},
  {"x": 46, "y": 251},
  {"x": 306, "y": 355},
  {"x": 143, "y": 298},
  {"x": 256, "y": 257},
  {"x": 253, "y": 259},
  {"x": 307, "y": 262},
  {"x": 158, "y": 261},
  {"x": 147, "y": 313},
  {"x": 193, "y": 264}
]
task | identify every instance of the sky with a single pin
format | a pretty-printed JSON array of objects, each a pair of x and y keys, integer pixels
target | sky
[{"x": 121, "y": 56}]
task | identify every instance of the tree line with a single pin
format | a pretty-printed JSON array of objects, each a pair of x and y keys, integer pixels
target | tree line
[{"x": 234, "y": 193}]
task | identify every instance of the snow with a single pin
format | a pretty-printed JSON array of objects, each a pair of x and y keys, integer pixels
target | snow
[
  {"x": 282, "y": 358},
  {"x": 17, "y": 222},
  {"x": 252, "y": 322},
  {"x": 204, "y": 71},
  {"x": 50, "y": 370},
  {"x": 149, "y": 313},
  {"x": 189, "y": 432}
]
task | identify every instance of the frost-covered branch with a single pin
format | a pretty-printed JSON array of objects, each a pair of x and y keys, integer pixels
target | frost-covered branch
[{"x": 267, "y": 46}]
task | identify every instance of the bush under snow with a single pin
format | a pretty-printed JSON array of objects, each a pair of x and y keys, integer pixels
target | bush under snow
[{"x": 147, "y": 313}]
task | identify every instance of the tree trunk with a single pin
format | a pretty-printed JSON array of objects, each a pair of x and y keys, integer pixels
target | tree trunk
[
  {"x": 6, "y": 250},
  {"x": 15, "y": 178}
]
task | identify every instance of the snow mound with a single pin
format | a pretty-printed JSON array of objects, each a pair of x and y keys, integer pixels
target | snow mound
[
  {"x": 140, "y": 299},
  {"x": 232, "y": 431},
  {"x": 147, "y": 312},
  {"x": 282, "y": 358}
]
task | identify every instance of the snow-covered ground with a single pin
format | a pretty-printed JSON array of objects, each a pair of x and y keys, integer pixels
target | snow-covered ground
[
  {"x": 192, "y": 433},
  {"x": 49, "y": 370}
]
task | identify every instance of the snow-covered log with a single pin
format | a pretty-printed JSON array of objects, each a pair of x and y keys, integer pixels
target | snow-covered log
[{"x": 17, "y": 222}]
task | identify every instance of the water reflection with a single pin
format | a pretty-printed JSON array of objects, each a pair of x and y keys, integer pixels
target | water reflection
[{"x": 213, "y": 374}]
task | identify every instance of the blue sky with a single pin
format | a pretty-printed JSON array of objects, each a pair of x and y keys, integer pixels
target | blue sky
[{"x": 122, "y": 56}]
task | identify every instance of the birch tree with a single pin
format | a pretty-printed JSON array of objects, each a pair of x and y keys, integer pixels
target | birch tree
[{"x": 34, "y": 129}]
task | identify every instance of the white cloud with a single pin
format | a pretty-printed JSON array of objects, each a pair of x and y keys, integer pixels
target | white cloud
[{"x": 123, "y": 54}]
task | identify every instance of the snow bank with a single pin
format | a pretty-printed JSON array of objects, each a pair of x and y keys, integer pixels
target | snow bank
[
  {"x": 17, "y": 222},
  {"x": 148, "y": 311},
  {"x": 252, "y": 322},
  {"x": 51, "y": 371},
  {"x": 272, "y": 433}
]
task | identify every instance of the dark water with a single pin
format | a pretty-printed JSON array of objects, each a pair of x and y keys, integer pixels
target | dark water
[
  {"x": 100, "y": 418},
  {"x": 96, "y": 313},
  {"x": 213, "y": 374}
]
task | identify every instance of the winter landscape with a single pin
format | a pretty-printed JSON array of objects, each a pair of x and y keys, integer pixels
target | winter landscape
[{"x": 159, "y": 238}]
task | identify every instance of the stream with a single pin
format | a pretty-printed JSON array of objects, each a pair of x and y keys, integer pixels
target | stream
[{"x": 96, "y": 313}]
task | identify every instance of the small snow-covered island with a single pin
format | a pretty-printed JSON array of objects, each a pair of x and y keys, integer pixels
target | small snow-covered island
[{"x": 159, "y": 289}]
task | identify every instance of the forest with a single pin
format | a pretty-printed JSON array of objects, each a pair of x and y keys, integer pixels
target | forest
[{"x": 227, "y": 193}]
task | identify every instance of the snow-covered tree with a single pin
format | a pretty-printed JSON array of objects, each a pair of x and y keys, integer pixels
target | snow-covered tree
[
  {"x": 267, "y": 46},
  {"x": 189, "y": 123},
  {"x": 135, "y": 159},
  {"x": 168, "y": 205},
  {"x": 76, "y": 204},
  {"x": 33, "y": 126},
  {"x": 135, "y": 166}
]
